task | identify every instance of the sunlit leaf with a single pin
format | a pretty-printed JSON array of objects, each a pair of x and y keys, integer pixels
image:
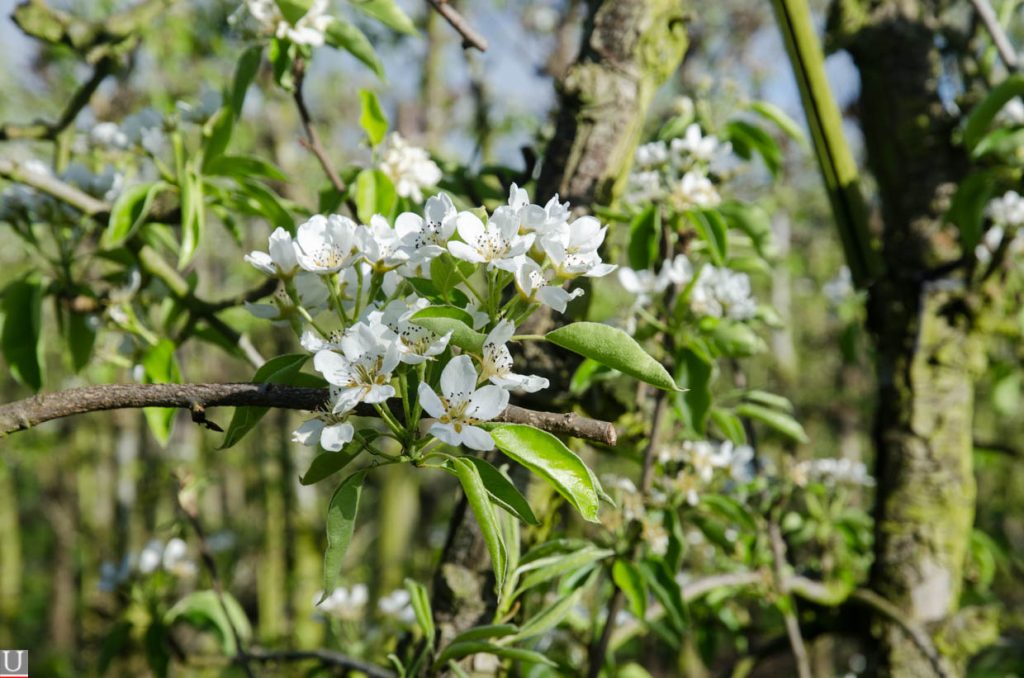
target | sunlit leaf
[{"x": 612, "y": 347}]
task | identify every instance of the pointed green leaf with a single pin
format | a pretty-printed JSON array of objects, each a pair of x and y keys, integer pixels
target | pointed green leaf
[
  {"x": 780, "y": 421},
  {"x": 545, "y": 569},
  {"x": 328, "y": 463},
  {"x": 984, "y": 113},
  {"x": 371, "y": 117},
  {"x": 129, "y": 211},
  {"x": 279, "y": 370},
  {"x": 341, "y": 522},
  {"x": 22, "y": 335},
  {"x": 388, "y": 13},
  {"x": 645, "y": 238},
  {"x": 612, "y": 347},
  {"x": 631, "y": 582},
  {"x": 549, "y": 617},
  {"x": 203, "y": 609},
  {"x": 420, "y": 601},
  {"x": 479, "y": 500},
  {"x": 245, "y": 72},
  {"x": 444, "y": 319},
  {"x": 343, "y": 34},
  {"x": 485, "y": 632},
  {"x": 161, "y": 367},
  {"x": 503, "y": 492}
]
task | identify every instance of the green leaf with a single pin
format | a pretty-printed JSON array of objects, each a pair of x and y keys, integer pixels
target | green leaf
[
  {"x": 545, "y": 569},
  {"x": 245, "y": 72},
  {"x": 712, "y": 229},
  {"x": 293, "y": 10},
  {"x": 737, "y": 340},
  {"x": 129, "y": 211},
  {"x": 612, "y": 347},
  {"x": 388, "y": 13},
  {"x": 371, "y": 117},
  {"x": 375, "y": 194},
  {"x": 747, "y": 139},
  {"x": 503, "y": 492},
  {"x": 243, "y": 166},
  {"x": 549, "y": 617},
  {"x": 752, "y": 220},
  {"x": 460, "y": 650},
  {"x": 967, "y": 209},
  {"x": 444, "y": 319},
  {"x": 81, "y": 337},
  {"x": 158, "y": 657},
  {"x": 217, "y": 134},
  {"x": 281, "y": 55},
  {"x": 328, "y": 463},
  {"x": 203, "y": 610},
  {"x": 479, "y": 500},
  {"x": 268, "y": 204},
  {"x": 666, "y": 589},
  {"x": 420, "y": 601},
  {"x": 645, "y": 238},
  {"x": 730, "y": 509},
  {"x": 785, "y": 123},
  {"x": 160, "y": 367},
  {"x": 193, "y": 221},
  {"x": 696, "y": 376},
  {"x": 980, "y": 119},
  {"x": 779, "y": 421},
  {"x": 548, "y": 457},
  {"x": 485, "y": 632},
  {"x": 341, "y": 521},
  {"x": 22, "y": 334},
  {"x": 729, "y": 425},
  {"x": 446, "y": 272},
  {"x": 280, "y": 370},
  {"x": 343, "y": 34},
  {"x": 769, "y": 400},
  {"x": 631, "y": 582}
]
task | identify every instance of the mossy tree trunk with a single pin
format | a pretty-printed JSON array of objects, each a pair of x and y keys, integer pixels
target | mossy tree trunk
[
  {"x": 918, "y": 316},
  {"x": 629, "y": 49}
]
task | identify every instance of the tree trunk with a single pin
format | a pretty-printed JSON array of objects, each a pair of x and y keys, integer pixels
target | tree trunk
[
  {"x": 925, "y": 350},
  {"x": 628, "y": 50}
]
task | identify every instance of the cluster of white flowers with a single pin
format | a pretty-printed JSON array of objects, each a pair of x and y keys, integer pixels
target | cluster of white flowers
[
  {"x": 698, "y": 462},
  {"x": 171, "y": 557},
  {"x": 344, "y": 603},
  {"x": 1007, "y": 215},
  {"x": 145, "y": 128},
  {"x": 722, "y": 293},
  {"x": 645, "y": 284},
  {"x": 22, "y": 204},
  {"x": 831, "y": 471},
  {"x": 366, "y": 275},
  {"x": 409, "y": 167},
  {"x": 262, "y": 18},
  {"x": 677, "y": 171},
  {"x": 397, "y": 605}
]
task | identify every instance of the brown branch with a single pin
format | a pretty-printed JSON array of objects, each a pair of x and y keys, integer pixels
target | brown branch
[
  {"x": 52, "y": 186},
  {"x": 470, "y": 36},
  {"x": 312, "y": 142},
  {"x": 24, "y": 414},
  {"x": 796, "y": 640},
  {"x": 325, "y": 657}
]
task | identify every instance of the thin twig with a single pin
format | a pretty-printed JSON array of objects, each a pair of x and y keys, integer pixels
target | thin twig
[
  {"x": 796, "y": 641},
  {"x": 326, "y": 657},
  {"x": 52, "y": 186},
  {"x": 312, "y": 141},
  {"x": 999, "y": 38},
  {"x": 24, "y": 414},
  {"x": 189, "y": 507},
  {"x": 470, "y": 36}
]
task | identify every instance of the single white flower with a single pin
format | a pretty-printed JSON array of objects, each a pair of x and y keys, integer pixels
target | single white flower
[
  {"x": 462, "y": 405},
  {"x": 312, "y": 296},
  {"x": 694, "y": 190},
  {"x": 423, "y": 238},
  {"x": 573, "y": 249},
  {"x": 415, "y": 343},
  {"x": 409, "y": 167},
  {"x": 175, "y": 559},
  {"x": 676, "y": 271},
  {"x": 344, "y": 603},
  {"x": 705, "y": 458},
  {"x": 651, "y": 154},
  {"x": 380, "y": 245},
  {"x": 722, "y": 292},
  {"x": 362, "y": 370},
  {"x": 497, "y": 362},
  {"x": 308, "y": 30},
  {"x": 397, "y": 604},
  {"x": 534, "y": 218},
  {"x": 150, "y": 556},
  {"x": 329, "y": 430},
  {"x": 281, "y": 261},
  {"x": 695, "y": 144},
  {"x": 496, "y": 244},
  {"x": 325, "y": 244},
  {"x": 534, "y": 286}
]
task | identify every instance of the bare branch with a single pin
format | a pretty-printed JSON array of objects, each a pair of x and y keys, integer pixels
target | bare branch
[
  {"x": 779, "y": 564},
  {"x": 326, "y": 657},
  {"x": 470, "y": 36},
  {"x": 24, "y": 414},
  {"x": 63, "y": 191},
  {"x": 312, "y": 142}
]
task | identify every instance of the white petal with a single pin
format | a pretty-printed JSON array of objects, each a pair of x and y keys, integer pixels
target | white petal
[
  {"x": 487, "y": 403},
  {"x": 407, "y": 224},
  {"x": 445, "y": 433},
  {"x": 336, "y": 436},
  {"x": 469, "y": 226},
  {"x": 600, "y": 270},
  {"x": 463, "y": 251},
  {"x": 262, "y": 261},
  {"x": 501, "y": 333},
  {"x": 476, "y": 438},
  {"x": 379, "y": 393},
  {"x": 308, "y": 433},
  {"x": 458, "y": 380},
  {"x": 282, "y": 250},
  {"x": 429, "y": 401},
  {"x": 335, "y": 368}
]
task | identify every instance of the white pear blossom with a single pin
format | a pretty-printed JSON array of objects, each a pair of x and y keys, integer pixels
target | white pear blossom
[
  {"x": 380, "y": 244},
  {"x": 362, "y": 370},
  {"x": 312, "y": 296},
  {"x": 573, "y": 249},
  {"x": 325, "y": 244},
  {"x": 644, "y": 284},
  {"x": 329, "y": 430},
  {"x": 308, "y": 30},
  {"x": 643, "y": 186},
  {"x": 344, "y": 603},
  {"x": 397, "y": 604},
  {"x": 694, "y": 144},
  {"x": 831, "y": 471},
  {"x": 462, "y": 405},
  {"x": 534, "y": 286},
  {"x": 704, "y": 457},
  {"x": 496, "y": 244},
  {"x": 534, "y": 218},
  {"x": 175, "y": 559},
  {"x": 409, "y": 167},
  {"x": 652, "y": 154},
  {"x": 109, "y": 135},
  {"x": 416, "y": 344},
  {"x": 694, "y": 190},
  {"x": 497, "y": 362},
  {"x": 281, "y": 261},
  {"x": 722, "y": 292},
  {"x": 423, "y": 238},
  {"x": 150, "y": 556},
  {"x": 1007, "y": 210}
]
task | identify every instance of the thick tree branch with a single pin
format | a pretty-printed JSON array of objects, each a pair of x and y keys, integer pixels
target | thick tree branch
[
  {"x": 325, "y": 657},
  {"x": 24, "y": 414},
  {"x": 470, "y": 36}
]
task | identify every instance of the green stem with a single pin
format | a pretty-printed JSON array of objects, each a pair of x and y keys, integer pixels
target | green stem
[{"x": 389, "y": 419}]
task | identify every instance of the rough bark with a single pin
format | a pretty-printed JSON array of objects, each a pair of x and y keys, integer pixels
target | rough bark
[
  {"x": 925, "y": 349},
  {"x": 628, "y": 49}
]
